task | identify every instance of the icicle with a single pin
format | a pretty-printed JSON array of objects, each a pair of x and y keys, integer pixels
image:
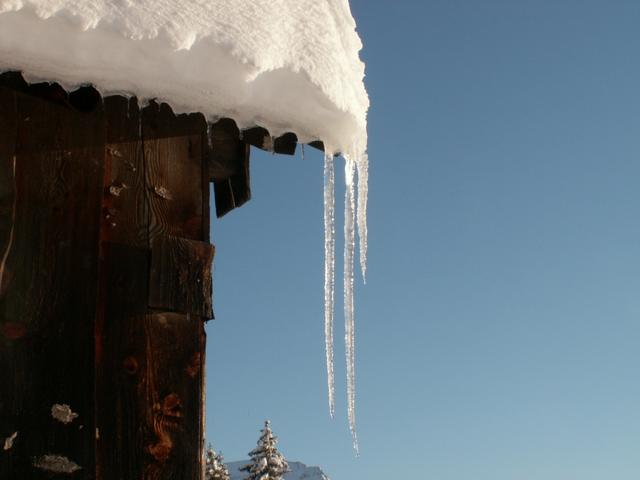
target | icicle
[
  {"x": 349, "y": 253},
  {"x": 356, "y": 161},
  {"x": 329, "y": 272},
  {"x": 362, "y": 163}
]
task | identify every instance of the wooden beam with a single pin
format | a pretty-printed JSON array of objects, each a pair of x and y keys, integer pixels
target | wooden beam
[{"x": 258, "y": 137}]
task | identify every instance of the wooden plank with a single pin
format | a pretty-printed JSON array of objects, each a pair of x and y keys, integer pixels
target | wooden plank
[
  {"x": 121, "y": 364},
  {"x": 174, "y": 167},
  {"x": 261, "y": 138},
  {"x": 14, "y": 459},
  {"x": 157, "y": 413},
  {"x": 234, "y": 191},
  {"x": 49, "y": 293},
  {"x": 258, "y": 137},
  {"x": 14, "y": 81},
  {"x": 85, "y": 99},
  {"x": 179, "y": 165},
  {"x": 232, "y": 188},
  {"x": 180, "y": 279},
  {"x": 223, "y": 194},
  {"x": 123, "y": 119},
  {"x": 125, "y": 208},
  {"x": 159, "y": 121},
  {"x": 174, "y": 186},
  {"x": 128, "y": 278},
  {"x": 8, "y": 132},
  {"x": 286, "y": 144},
  {"x": 317, "y": 144},
  {"x": 227, "y": 150},
  {"x": 120, "y": 335},
  {"x": 150, "y": 377},
  {"x": 155, "y": 187}
]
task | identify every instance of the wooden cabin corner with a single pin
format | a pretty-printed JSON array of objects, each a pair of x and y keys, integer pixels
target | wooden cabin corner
[{"x": 105, "y": 279}]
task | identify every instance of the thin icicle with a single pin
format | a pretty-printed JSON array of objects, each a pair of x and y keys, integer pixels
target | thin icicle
[
  {"x": 349, "y": 254},
  {"x": 329, "y": 272},
  {"x": 362, "y": 163}
]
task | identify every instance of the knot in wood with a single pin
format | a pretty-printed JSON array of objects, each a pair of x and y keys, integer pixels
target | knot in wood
[
  {"x": 130, "y": 365},
  {"x": 172, "y": 406}
]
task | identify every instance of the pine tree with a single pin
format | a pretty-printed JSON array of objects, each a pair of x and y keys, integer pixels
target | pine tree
[
  {"x": 214, "y": 468},
  {"x": 267, "y": 463}
]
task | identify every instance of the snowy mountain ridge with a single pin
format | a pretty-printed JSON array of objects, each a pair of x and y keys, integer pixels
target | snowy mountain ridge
[{"x": 299, "y": 471}]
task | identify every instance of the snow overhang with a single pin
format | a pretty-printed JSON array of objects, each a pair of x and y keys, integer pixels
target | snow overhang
[{"x": 287, "y": 65}]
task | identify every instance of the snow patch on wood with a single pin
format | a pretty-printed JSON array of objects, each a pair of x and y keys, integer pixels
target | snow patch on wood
[
  {"x": 8, "y": 442},
  {"x": 56, "y": 464},
  {"x": 162, "y": 192},
  {"x": 63, "y": 413}
]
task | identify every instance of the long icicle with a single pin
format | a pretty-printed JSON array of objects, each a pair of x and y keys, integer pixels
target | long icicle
[
  {"x": 362, "y": 164},
  {"x": 329, "y": 272},
  {"x": 349, "y": 254}
]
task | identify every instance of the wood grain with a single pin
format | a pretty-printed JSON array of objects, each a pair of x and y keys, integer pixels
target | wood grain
[
  {"x": 150, "y": 371},
  {"x": 48, "y": 301},
  {"x": 180, "y": 279}
]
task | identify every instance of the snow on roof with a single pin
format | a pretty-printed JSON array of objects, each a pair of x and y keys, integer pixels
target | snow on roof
[{"x": 287, "y": 65}]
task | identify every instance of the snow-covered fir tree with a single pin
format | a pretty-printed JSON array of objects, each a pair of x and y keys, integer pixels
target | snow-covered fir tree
[
  {"x": 267, "y": 463},
  {"x": 214, "y": 467}
]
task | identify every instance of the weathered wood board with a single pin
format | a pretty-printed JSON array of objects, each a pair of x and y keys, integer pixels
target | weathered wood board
[
  {"x": 180, "y": 277},
  {"x": 229, "y": 166},
  {"x": 51, "y": 163},
  {"x": 155, "y": 186}
]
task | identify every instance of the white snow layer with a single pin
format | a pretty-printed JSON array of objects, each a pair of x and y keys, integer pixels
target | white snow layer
[{"x": 286, "y": 65}]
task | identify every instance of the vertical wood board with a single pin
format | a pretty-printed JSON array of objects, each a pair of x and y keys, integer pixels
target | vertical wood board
[{"x": 49, "y": 292}]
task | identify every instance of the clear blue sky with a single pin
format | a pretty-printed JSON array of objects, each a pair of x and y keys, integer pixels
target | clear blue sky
[{"x": 499, "y": 331}]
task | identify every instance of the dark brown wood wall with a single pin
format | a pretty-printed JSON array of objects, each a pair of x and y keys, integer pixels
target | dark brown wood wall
[
  {"x": 105, "y": 280},
  {"x": 51, "y": 166}
]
